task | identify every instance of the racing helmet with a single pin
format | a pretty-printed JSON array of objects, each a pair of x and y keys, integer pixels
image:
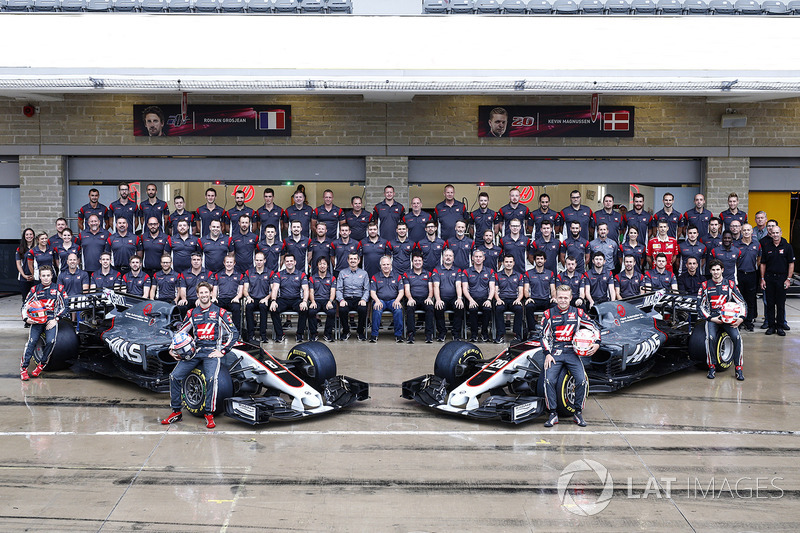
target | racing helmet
[
  {"x": 730, "y": 312},
  {"x": 583, "y": 340},
  {"x": 183, "y": 345},
  {"x": 36, "y": 312}
]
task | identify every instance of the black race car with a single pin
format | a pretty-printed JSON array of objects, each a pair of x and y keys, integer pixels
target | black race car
[
  {"x": 642, "y": 337},
  {"x": 128, "y": 337}
]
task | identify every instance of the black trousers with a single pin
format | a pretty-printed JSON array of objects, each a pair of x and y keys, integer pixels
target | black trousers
[
  {"x": 411, "y": 325},
  {"x": 485, "y": 314},
  {"x": 288, "y": 304},
  {"x": 748, "y": 286},
  {"x": 458, "y": 318},
  {"x": 775, "y": 310},
  {"x": 538, "y": 304},
  {"x": 499, "y": 319},
  {"x": 235, "y": 309},
  {"x": 330, "y": 319},
  {"x": 249, "y": 312},
  {"x": 352, "y": 305}
]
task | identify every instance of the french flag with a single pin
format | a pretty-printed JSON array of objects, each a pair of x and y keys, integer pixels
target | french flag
[{"x": 272, "y": 120}]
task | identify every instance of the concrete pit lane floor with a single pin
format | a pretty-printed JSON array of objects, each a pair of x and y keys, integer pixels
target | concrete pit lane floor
[{"x": 681, "y": 453}]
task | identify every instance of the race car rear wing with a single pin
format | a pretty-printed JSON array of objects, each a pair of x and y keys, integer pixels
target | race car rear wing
[{"x": 103, "y": 299}]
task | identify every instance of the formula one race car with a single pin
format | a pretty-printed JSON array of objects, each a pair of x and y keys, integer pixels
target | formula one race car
[
  {"x": 641, "y": 337},
  {"x": 128, "y": 337}
]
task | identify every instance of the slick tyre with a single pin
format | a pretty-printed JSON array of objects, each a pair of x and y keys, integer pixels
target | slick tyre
[
  {"x": 317, "y": 363},
  {"x": 451, "y": 358},
  {"x": 65, "y": 350},
  {"x": 722, "y": 347},
  {"x": 565, "y": 393},
  {"x": 194, "y": 387}
]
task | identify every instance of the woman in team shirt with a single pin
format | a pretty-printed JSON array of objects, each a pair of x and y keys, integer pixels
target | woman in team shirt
[
  {"x": 68, "y": 246},
  {"x": 41, "y": 254},
  {"x": 632, "y": 246},
  {"x": 25, "y": 277}
]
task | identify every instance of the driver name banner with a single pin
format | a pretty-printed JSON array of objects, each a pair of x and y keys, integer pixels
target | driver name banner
[
  {"x": 500, "y": 121},
  {"x": 212, "y": 120}
]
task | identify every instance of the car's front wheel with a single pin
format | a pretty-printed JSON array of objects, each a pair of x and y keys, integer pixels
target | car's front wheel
[
  {"x": 316, "y": 362},
  {"x": 451, "y": 360},
  {"x": 195, "y": 386},
  {"x": 565, "y": 393}
]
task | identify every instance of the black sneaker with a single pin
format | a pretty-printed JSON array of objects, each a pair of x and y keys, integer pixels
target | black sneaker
[
  {"x": 362, "y": 338},
  {"x": 298, "y": 338},
  {"x": 770, "y": 331},
  {"x": 499, "y": 340},
  {"x": 410, "y": 340},
  {"x": 399, "y": 340},
  {"x": 439, "y": 339},
  {"x": 486, "y": 338},
  {"x": 326, "y": 338},
  {"x": 373, "y": 339},
  {"x": 712, "y": 372},
  {"x": 578, "y": 418},
  {"x": 428, "y": 340},
  {"x": 280, "y": 339},
  {"x": 764, "y": 325},
  {"x": 313, "y": 338},
  {"x": 739, "y": 374},
  {"x": 473, "y": 339},
  {"x": 781, "y": 333},
  {"x": 786, "y": 327},
  {"x": 346, "y": 336},
  {"x": 552, "y": 420}
]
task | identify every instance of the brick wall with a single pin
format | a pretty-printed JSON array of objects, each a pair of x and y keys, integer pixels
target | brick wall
[
  {"x": 383, "y": 171},
  {"x": 42, "y": 191},
  {"x": 724, "y": 175}
]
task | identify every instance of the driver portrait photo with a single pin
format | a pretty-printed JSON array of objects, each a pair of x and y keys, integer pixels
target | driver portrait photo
[
  {"x": 498, "y": 122},
  {"x": 154, "y": 121}
]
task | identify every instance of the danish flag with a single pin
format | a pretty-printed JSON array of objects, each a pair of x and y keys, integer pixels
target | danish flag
[{"x": 617, "y": 121}]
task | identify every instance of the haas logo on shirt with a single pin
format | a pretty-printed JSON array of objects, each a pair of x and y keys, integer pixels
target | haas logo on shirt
[
  {"x": 718, "y": 301},
  {"x": 564, "y": 333},
  {"x": 205, "y": 332}
]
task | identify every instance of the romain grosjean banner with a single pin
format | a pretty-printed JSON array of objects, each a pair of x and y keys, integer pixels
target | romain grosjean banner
[
  {"x": 554, "y": 121},
  {"x": 212, "y": 120}
]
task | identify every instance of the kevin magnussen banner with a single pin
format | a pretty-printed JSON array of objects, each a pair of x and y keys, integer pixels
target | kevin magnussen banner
[
  {"x": 554, "y": 121},
  {"x": 212, "y": 120}
]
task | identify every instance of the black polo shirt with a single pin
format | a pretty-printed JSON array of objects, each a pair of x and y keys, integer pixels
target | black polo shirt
[
  {"x": 322, "y": 287},
  {"x": 330, "y": 218},
  {"x": 167, "y": 284},
  {"x": 358, "y": 224},
  {"x": 629, "y": 286},
  {"x": 182, "y": 250},
  {"x": 136, "y": 285},
  {"x": 175, "y": 217},
  {"x": 272, "y": 254},
  {"x": 268, "y": 217},
  {"x": 122, "y": 248},
  {"x": 299, "y": 249},
  {"x": 401, "y": 253},
  {"x": 291, "y": 285},
  {"x": 750, "y": 254},
  {"x": 234, "y": 214},
  {"x": 228, "y": 284},
  {"x": 386, "y": 287},
  {"x": 537, "y": 216},
  {"x": 550, "y": 248},
  {"x": 207, "y": 216},
  {"x": 575, "y": 282},
  {"x": 481, "y": 221},
  {"x": 340, "y": 250},
  {"x": 491, "y": 255},
  {"x": 214, "y": 251},
  {"x": 189, "y": 281},
  {"x": 127, "y": 211},
  {"x": 107, "y": 281},
  {"x": 416, "y": 225},
  {"x": 655, "y": 280},
  {"x": 516, "y": 248},
  {"x": 431, "y": 252},
  {"x": 244, "y": 246},
  {"x": 319, "y": 249},
  {"x": 258, "y": 284},
  {"x": 777, "y": 258},
  {"x": 153, "y": 248},
  {"x": 598, "y": 284},
  {"x": 302, "y": 215},
  {"x": 478, "y": 282},
  {"x": 417, "y": 283},
  {"x": 372, "y": 252},
  {"x": 462, "y": 250},
  {"x": 507, "y": 213},
  {"x": 448, "y": 215},
  {"x": 508, "y": 285},
  {"x": 447, "y": 279},
  {"x": 539, "y": 283}
]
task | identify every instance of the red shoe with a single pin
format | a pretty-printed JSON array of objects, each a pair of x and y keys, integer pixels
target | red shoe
[
  {"x": 23, "y": 374},
  {"x": 37, "y": 370},
  {"x": 174, "y": 417},
  {"x": 210, "y": 424}
]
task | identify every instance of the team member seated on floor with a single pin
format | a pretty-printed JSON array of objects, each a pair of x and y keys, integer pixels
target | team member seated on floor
[
  {"x": 214, "y": 335},
  {"x": 712, "y": 296},
  {"x": 561, "y": 323}
]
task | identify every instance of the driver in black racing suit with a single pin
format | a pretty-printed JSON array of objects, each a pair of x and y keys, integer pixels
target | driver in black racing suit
[
  {"x": 210, "y": 325},
  {"x": 559, "y": 326},
  {"x": 713, "y": 294}
]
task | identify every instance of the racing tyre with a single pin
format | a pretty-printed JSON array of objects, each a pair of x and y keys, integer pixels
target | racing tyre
[
  {"x": 66, "y": 348},
  {"x": 317, "y": 362},
  {"x": 193, "y": 391},
  {"x": 450, "y": 356},
  {"x": 565, "y": 393},
  {"x": 722, "y": 347}
]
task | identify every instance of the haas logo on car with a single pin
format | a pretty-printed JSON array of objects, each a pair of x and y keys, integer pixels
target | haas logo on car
[
  {"x": 130, "y": 351},
  {"x": 645, "y": 349}
]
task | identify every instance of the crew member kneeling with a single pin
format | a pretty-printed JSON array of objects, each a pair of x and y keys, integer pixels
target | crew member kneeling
[
  {"x": 215, "y": 334},
  {"x": 712, "y": 297},
  {"x": 559, "y": 326}
]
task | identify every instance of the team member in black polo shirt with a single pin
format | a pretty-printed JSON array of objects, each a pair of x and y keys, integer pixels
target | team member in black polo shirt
[
  {"x": 341, "y": 248},
  {"x": 733, "y": 212},
  {"x": 230, "y": 289},
  {"x": 515, "y": 244},
  {"x": 319, "y": 246},
  {"x": 298, "y": 212},
  {"x": 598, "y": 282},
  {"x": 372, "y": 249},
  {"x": 268, "y": 214},
  {"x": 256, "y": 295},
  {"x": 574, "y": 280},
  {"x": 178, "y": 215},
  {"x": 153, "y": 207},
  {"x": 122, "y": 245},
  {"x": 669, "y": 215},
  {"x": 513, "y": 209},
  {"x": 447, "y": 294},
  {"x": 322, "y": 298},
  {"x": 613, "y": 219},
  {"x": 271, "y": 247},
  {"x": 289, "y": 293},
  {"x": 431, "y": 247},
  {"x": 747, "y": 274},
  {"x": 712, "y": 239},
  {"x": 659, "y": 277},
  {"x": 72, "y": 279},
  {"x": 62, "y": 251},
  {"x": 629, "y": 282},
  {"x": 328, "y": 213},
  {"x": 539, "y": 289},
  {"x": 419, "y": 295},
  {"x": 478, "y": 286},
  {"x": 575, "y": 246},
  {"x": 388, "y": 213},
  {"x": 182, "y": 245},
  {"x": 208, "y": 212},
  {"x": 728, "y": 255},
  {"x": 56, "y": 239},
  {"x": 546, "y": 242},
  {"x": 416, "y": 219},
  {"x": 638, "y": 218},
  {"x": 234, "y": 214},
  {"x": 462, "y": 246},
  {"x": 544, "y": 214},
  {"x": 357, "y": 218},
  {"x": 632, "y": 246},
  {"x": 106, "y": 277},
  {"x": 94, "y": 207},
  {"x": 692, "y": 247},
  {"x": 777, "y": 269},
  {"x": 491, "y": 251},
  {"x": 136, "y": 282},
  {"x": 215, "y": 246},
  {"x": 152, "y": 243},
  {"x": 165, "y": 282},
  {"x": 508, "y": 294},
  {"x": 448, "y": 212},
  {"x": 123, "y": 208},
  {"x": 243, "y": 242},
  {"x": 401, "y": 248},
  {"x": 189, "y": 280},
  {"x": 386, "y": 288},
  {"x": 576, "y": 212},
  {"x": 689, "y": 280},
  {"x": 483, "y": 218},
  {"x": 297, "y": 245},
  {"x": 698, "y": 216}
]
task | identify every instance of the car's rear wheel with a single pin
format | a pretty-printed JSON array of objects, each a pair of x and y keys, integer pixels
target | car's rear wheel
[
  {"x": 565, "y": 393},
  {"x": 66, "y": 348},
  {"x": 452, "y": 357},
  {"x": 195, "y": 385},
  {"x": 317, "y": 363},
  {"x": 722, "y": 347}
]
